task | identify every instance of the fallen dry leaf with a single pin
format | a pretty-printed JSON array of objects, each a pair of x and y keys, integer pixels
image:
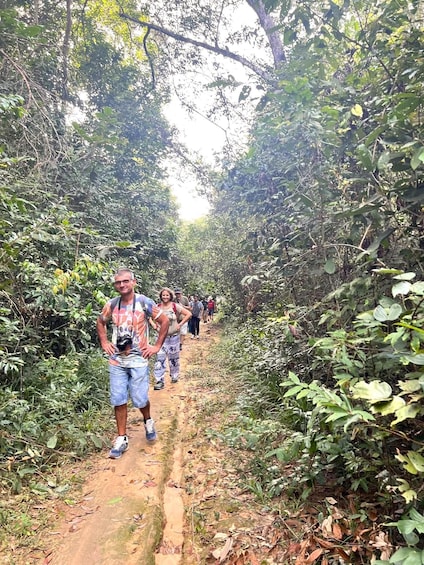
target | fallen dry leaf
[
  {"x": 301, "y": 556},
  {"x": 373, "y": 514},
  {"x": 221, "y": 536},
  {"x": 343, "y": 555},
  {"x": 360, "y": 533},
  {"x": 314, "y": 556},
  {"x": 337, "y": 515},
  {"x": 382, "y": 543},
  {"x": 226, "y": 549},
  {"x": 293, "y": 548},
  {"x": 326, "y": 526},
  {"x": 221, "y": 554},
  {"x": 337, "y": 531},
  {"x": 324, "y": 543},
  {"x": 248, "y": 558},
  {"x": 381, "y": 540},
  {"x": 293, "y": 523}
]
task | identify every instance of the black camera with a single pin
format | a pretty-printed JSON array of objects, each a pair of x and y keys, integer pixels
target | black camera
[{"x": 124, "y": 340}]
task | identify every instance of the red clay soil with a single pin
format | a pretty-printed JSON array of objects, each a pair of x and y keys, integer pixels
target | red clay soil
[
  {"x": 130, "y": 509},
  {"x": 186, "y": 499},
  {"x": 178, "y": 501}
]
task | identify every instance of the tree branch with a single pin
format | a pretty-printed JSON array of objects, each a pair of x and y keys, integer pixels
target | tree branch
[
  {"x": 264, "y": 75},
  {"x": 146, "y": 50},
  {"x": 65, "y": 48}
]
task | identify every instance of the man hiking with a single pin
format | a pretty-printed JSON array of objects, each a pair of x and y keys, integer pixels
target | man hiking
[{"x": 129, "y": 351}]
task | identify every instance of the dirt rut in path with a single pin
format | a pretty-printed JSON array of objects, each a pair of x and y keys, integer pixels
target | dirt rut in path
[{"x": 131, "y": 510}]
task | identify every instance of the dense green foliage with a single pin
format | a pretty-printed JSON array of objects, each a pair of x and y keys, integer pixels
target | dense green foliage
[
  {"x": 82, "y": 191},
  {"x": 315, "y": 241},
  {"x": 322, "y": 256}
]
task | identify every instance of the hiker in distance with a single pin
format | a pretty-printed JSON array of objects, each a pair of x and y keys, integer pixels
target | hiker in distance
[
  {"x": 196, "y": 311},
  {"x": 177, "y": 316},
  {"x": 210, "y": 308},
  {"x": 205, "y": 310},
  {"x": 129, "y": 351},
  {"x": 185, "y": 302}
]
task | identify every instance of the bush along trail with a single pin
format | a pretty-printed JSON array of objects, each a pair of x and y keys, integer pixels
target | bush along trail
[{"x": 195, "y": 496}]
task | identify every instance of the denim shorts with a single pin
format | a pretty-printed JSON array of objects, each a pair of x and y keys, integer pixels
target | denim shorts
[{"x": 132, "y": 381}]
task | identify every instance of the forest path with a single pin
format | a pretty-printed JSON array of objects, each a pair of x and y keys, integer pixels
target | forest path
[
  {"x": 131, "y": 510},
  {"x": 182, "y": 500}
]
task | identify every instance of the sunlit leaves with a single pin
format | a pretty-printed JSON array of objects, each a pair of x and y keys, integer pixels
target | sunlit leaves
[
  {"x": 412, "y": 461},
  {"x": 407, "y": 492},
  {"x": 405, "y": 276},
  {"x": 415, "y": 359},
  {"x": 375, "y": 391},
  {"x": 417, "y": 158},
  {"x": 13, "y": 104},
  {"x": 357, "y": 111},
  {"x": 365, "y": 157},
  {"x": 52, "y": 442},
  {"x": 387, "y": 314},
  {"x": 410, "y": 411},
  {"x": 106, "y": 13},
  {"x": 330, "y": 266},
  {"x": 391, "y": 406}
]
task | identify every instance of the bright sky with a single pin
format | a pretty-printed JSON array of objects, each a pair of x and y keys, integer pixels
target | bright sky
[{"x": 200, "y": 135}]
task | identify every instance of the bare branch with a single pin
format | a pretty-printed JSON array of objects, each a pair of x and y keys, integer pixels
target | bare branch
[
  {"x": 264, "y": 75},
  {"x": 65, "y": 48},
  {"x": 152, "y": 69}
]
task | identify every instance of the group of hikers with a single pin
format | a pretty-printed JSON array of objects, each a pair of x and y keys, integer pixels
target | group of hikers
[
  {"x": 129, "y": 348},
  {"x": 200, "y": 310}
]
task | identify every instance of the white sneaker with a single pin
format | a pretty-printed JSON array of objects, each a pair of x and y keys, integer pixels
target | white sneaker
[
  {"x": 150, "y": 430},
  {"x": 192, "y": 336},
  {"x": 120, "y": 445},
  {"x": 198, "y": 336}
]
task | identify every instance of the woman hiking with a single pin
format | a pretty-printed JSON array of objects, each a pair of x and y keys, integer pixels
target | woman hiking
[{"x": 177, "y": 316}]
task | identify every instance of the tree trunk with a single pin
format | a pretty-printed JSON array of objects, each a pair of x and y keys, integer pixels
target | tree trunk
[{"x": 269, "y": 26}]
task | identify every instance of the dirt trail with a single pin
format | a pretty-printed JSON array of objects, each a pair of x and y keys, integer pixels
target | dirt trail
[
  {"x": 188, "y": 499},
  {"x": 131, "y": 509},
  {"x": 179, "y": 501}
]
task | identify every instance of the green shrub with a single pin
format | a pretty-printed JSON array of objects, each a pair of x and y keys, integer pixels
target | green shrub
[{"x": 60, "y": 413}]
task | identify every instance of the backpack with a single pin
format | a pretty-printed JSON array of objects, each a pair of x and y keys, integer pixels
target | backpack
[
  {"x": 197, "y": 308},
  {"x": 178, "y": 316}
]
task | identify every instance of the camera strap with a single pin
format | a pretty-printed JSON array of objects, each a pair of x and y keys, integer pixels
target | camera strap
[{"x": 132, "y": 316}]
